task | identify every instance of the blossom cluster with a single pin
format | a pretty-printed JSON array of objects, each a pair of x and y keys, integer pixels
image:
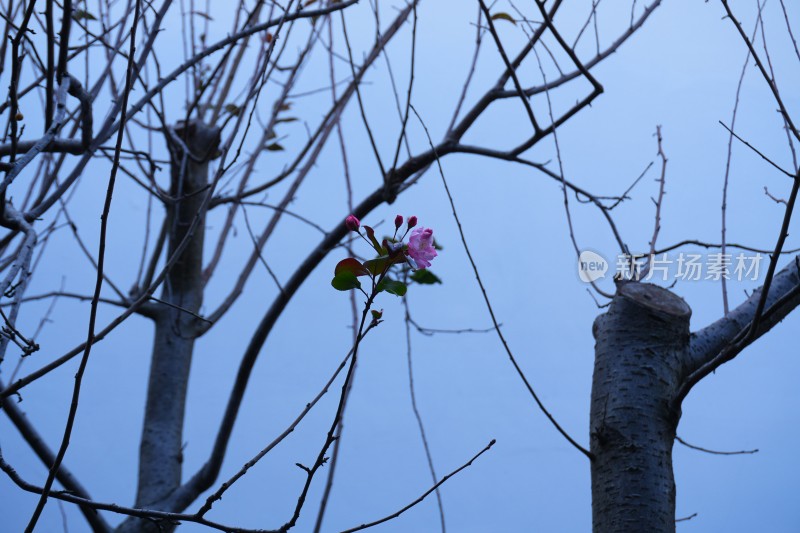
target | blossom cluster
[{"x": 405, "y": 260}]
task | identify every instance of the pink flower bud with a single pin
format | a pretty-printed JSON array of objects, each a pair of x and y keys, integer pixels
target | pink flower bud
[
  {"x": 398, "y": 221},
  {"x": 412, "y": 221},
  {"x": 352, "y": 223}
]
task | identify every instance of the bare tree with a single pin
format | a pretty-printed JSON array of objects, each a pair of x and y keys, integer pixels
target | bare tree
[{"x": 93, "y": 91}]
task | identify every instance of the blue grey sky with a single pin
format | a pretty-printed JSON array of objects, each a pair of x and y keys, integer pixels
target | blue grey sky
[{"x": 679, "y": 71}]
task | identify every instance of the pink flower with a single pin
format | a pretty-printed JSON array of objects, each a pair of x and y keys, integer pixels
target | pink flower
[
  {"x": 420, "y": 247},
  {"x": 352, "y": 223}
]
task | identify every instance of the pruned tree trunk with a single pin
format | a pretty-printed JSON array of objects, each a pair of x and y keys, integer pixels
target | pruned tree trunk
[
  {"x": 176, "y": 327},
  {"x": 641, "y": 345},
  {"x": 646, "y": 362}
]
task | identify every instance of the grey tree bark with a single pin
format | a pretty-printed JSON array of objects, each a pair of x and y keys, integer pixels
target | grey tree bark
[
  {"x": 640, "y": 348},
  {"x": 192, "y": 145},
  {"x": 646, "y": 361}
]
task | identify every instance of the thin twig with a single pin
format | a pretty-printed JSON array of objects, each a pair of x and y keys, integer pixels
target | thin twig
[
  {"x": 424, "y": 495},
  {"x": 98, "y": 285},
  {"x": 217, "y": 495},
  {"x": 420, "y": 425},
  {"x": 714, "y": 452},
  {"x": 658, "y": 202},
  {"x": 756, "y": 150},
  {"x": 770, "y": 81},
  {"x": 500, "y": 335},
  {"x": 724, "y": 207}
]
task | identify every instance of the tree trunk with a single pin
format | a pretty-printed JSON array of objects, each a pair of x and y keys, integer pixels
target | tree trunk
[
  {"x": 161, "y": 447},
  {"x": 640, "y": 356}
]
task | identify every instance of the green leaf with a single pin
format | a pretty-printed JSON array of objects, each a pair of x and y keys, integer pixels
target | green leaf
[
  {"x": 233, "y": 109},
  {"x": 274, "y": 147},
  {"x": 287, "y": 119},
  {"x": 425, "y": 277},
  {"x": 378, "y": 265},
  {"x": 345, "y": 281},
  {"x": 373, "y": 240},
  {"x": 504, "y": 16},
  {"x": 392, "y": 287},
  {"x": 350, "y": 265},
  {"x": 204, "y": 15},
  {"x": 81, "y": 14}
]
